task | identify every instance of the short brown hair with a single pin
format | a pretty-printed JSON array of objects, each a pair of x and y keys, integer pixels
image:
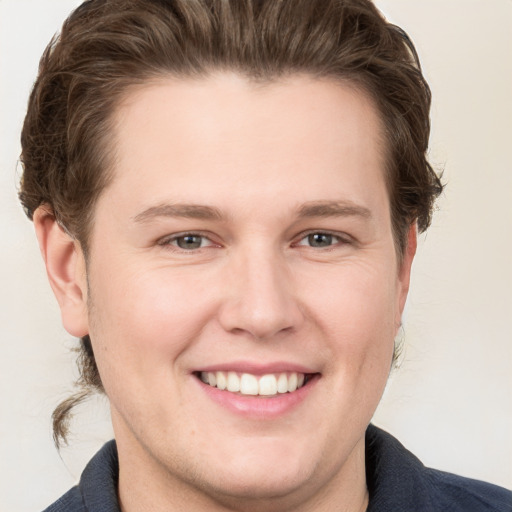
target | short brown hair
[{"x": 106, "y": 46}]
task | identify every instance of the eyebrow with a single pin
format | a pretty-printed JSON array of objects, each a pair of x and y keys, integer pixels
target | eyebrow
[
  {"x": 203, "y": 212},
  {"x": 189, "y": 211},
  {"x": 333, "y": 209}
]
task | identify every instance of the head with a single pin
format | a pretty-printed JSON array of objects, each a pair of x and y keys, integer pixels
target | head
[{"x": 114, "y": 56}]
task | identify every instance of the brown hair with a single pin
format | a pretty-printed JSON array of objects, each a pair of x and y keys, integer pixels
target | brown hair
[{"x": 106, "y": 46}]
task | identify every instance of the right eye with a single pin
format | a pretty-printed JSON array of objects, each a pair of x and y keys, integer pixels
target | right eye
[{"x": 187, "y": 241}]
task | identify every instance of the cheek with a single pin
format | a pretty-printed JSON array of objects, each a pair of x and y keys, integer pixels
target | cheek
[
  {"x": 140, "y": 322},
  {"x": 357, "y": 312},
  {"x": 358, "y": 299}
]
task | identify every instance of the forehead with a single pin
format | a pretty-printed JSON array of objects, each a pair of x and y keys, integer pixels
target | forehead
[
  {"x": 272, "y": 138},
  {"x": 225, "y": 102}
]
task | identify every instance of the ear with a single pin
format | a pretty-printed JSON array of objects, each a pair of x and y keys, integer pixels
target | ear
[
  {"x": 65, "y": 266},
  {"x": 404, "y": 272}
]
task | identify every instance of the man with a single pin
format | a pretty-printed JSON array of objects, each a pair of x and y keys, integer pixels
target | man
[{"x": 227, "y": 198}]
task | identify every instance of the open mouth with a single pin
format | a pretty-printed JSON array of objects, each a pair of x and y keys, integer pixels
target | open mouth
[{"x": 271, "y": 384}]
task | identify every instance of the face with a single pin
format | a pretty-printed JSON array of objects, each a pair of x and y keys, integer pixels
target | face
[{"x": 244, "y": 290}]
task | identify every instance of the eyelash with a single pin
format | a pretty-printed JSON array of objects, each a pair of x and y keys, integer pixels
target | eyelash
[
  {"x": 172, "y": 241},
  {"x": 341, "y": 239}
]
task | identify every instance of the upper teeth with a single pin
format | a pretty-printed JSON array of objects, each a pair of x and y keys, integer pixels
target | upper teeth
[{"x": 248, "y": 384}]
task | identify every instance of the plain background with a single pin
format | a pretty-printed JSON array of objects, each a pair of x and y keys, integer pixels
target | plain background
[{"x": 451, "y": 400}]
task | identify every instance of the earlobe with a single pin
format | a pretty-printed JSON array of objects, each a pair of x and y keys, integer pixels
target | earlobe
[{"x": 65, "y": 267}]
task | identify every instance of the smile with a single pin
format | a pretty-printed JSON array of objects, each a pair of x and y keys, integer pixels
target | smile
[{"x": 248, "y": 384}]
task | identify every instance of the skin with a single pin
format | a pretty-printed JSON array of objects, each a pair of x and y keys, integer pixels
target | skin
[{"x": 256, "y": 291}]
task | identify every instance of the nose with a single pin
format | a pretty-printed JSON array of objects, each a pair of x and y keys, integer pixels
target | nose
[{"x": 260, "y": 297}]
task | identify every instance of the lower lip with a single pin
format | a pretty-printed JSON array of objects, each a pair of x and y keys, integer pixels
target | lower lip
[{"x": 259, "y": 407}]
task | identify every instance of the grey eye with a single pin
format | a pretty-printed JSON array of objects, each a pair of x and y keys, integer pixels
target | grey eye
[
  {"x": 189, "y": 242},
  {"x": 320, "y": 239}
]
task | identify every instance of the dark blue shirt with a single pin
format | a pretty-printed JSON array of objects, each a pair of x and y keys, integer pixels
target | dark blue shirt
[{"x": 397, "y": 482}]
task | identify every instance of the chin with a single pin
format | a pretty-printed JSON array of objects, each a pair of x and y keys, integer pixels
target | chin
[
  {"x": 257, "y": 484},
  {"x": 268, "y": 471}
]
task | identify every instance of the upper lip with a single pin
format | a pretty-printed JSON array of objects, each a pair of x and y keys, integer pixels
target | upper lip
[{"x": 257, "y": 368}]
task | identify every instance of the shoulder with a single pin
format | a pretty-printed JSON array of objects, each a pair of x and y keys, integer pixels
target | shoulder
[
  {"x": 97, "y": 490},
  {"x": 456, "y": 493},
  {"x": 397, "y": 480},
  {"x": 71, "y": 502}
]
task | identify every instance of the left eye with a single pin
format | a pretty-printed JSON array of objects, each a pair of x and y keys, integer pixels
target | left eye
[
  {"x": 320, "y": 240},
  {"x": 189, "y": 241}
]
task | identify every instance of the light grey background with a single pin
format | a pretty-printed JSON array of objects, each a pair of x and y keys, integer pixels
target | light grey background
[{"x": 451, "y": 401}]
